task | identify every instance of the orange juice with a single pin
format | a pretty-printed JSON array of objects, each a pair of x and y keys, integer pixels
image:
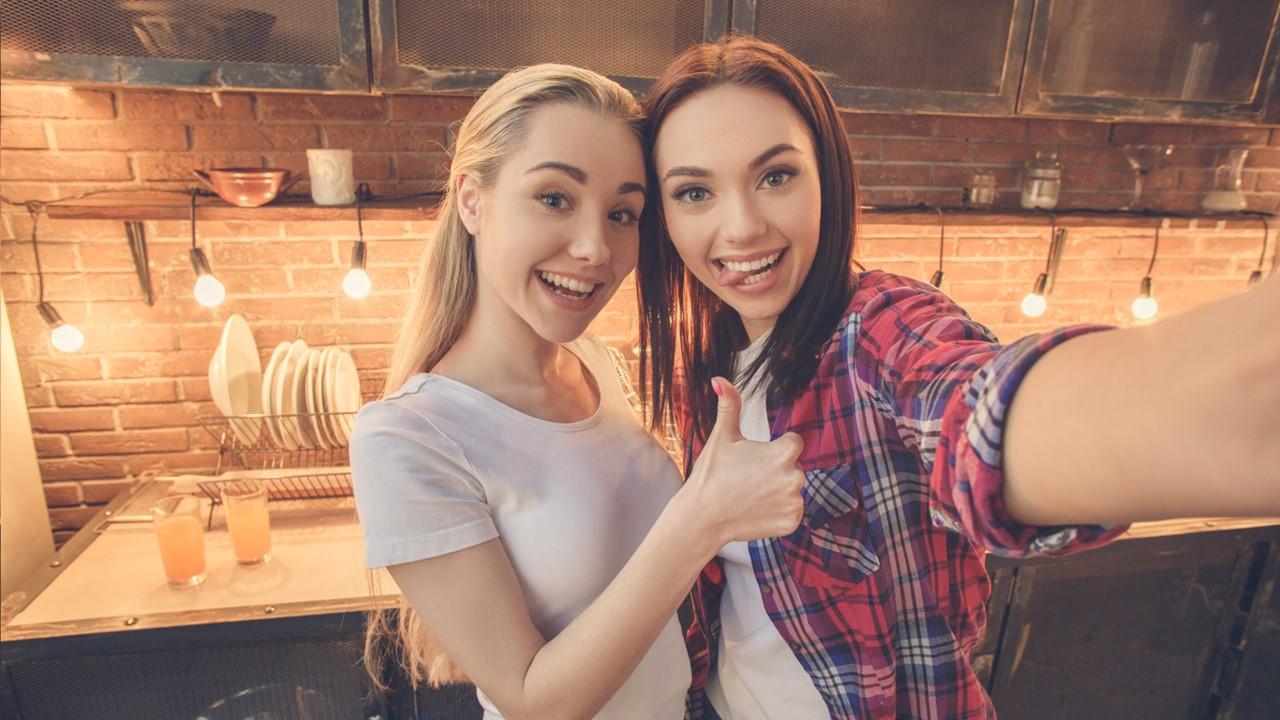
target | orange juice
[
  {"x": 250, "y": 527},
  {"x": 181, "y": 539}
]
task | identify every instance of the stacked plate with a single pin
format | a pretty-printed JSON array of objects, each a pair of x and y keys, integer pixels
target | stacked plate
[
  {"x": 310, "y": 396},
  {"x": 235, "y": 379}
]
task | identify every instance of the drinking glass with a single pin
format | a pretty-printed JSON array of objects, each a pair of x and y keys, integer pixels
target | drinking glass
[
  {"x": 180, "y": 535},
  {"x": 248, "y": 521},
  {"x": 1143, "y": 159}
]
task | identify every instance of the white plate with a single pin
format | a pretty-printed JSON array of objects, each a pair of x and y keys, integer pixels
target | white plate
[
  {"x": 283, "y": 401},
  {"x": 241, "y": 368},
  {"x": 217, "y": 383},
  {"x": 320, "y": 401},
  {"x": 268, "y": 400},
  {"x": 346, "y": 393},
  {"x": 301, "y": 378},
  {"x": 330, "y": 404}
]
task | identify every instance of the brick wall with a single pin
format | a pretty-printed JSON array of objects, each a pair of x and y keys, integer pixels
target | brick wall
[{"x": 127, "y": 402}]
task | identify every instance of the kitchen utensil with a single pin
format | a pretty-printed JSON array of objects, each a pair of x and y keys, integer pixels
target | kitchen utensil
[
  {"x": 299, "y": 391},
  {"x": 316, "y": 397},
  {"x": 283, "y": 401},
  {"x": 241, "y": 376},
  {"x": 333, "y": 180},
  {"x": 346, "y": 395},
  {"x": 247, "y": 187},
  {"x": 1143, "y": 159},
  {"x": 981, "y": 192},
  {"x": 268, "y": 399},
  {"x": 1226, "y": 195},
  {"x": 1041, "y": 182}
]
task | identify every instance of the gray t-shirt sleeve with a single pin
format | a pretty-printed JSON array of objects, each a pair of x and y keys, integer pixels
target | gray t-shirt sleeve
[{"x": 417, "y": 495}]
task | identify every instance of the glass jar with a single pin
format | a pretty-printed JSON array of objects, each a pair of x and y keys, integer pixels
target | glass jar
[
  {"x": 1041, "y": 182},
  {"x": 981, "y": 192}
]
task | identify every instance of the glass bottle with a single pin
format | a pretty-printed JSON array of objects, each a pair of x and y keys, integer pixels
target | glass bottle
[
  {"x": 1226, "y": 195},
  {"x": 1041, "y": 182}
]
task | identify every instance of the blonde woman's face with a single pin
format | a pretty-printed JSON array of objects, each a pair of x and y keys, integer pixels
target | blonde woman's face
[
  {"x": 742, "y": 197},
  {"x": 558, "y": 230}
]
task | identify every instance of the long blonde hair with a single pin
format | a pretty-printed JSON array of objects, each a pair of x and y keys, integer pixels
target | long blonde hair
[{"x": 445, "y": 290}]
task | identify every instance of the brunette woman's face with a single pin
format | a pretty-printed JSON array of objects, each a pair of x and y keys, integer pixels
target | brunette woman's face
[
  {"x": 742, "y": 197},
  {"x": 557, "y": 230}
]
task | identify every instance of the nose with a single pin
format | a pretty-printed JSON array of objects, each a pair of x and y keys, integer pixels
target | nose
[
  {"x": 590, "y": 244},
  {"x": 743, "y": 221}
]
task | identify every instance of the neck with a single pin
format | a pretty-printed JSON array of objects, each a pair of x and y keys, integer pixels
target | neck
[
  {"x": 498, "y": 348},
  {"x": 756, "y": 328}
]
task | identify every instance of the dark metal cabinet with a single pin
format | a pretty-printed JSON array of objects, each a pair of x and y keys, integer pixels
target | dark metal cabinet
[
  {"x": 247, "y": 44},
  {"x": 466, "y": 45},
  {"x": 919, "y": 56},
  {"x": 1167, "y": 59}
]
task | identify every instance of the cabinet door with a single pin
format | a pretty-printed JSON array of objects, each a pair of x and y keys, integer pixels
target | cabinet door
[
  {"x": 293, "y": 44},
  {"x": 465, "y": 45},
  {"x": 1167, "y": 59},
  {"x": 902, "y": 55}
]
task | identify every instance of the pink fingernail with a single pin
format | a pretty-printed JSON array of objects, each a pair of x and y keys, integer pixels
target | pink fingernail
[{"x": 715, "y": 385}]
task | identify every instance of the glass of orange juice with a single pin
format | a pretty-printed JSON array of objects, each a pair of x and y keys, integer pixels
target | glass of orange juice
[
  {"x": 248, "y": 521},
  {"x": 180, "y": 535}
]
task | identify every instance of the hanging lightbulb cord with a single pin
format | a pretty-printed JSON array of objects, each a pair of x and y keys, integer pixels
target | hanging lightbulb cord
[
  {"x": 356, "y": 283},
  {"x": 64, "y": 336},
  {"x": 1145, "y": 306},
  {"x": 936, "y": 280},
  {"x": 1256, "y": 276},
  {"x": 208, "y": 290}
]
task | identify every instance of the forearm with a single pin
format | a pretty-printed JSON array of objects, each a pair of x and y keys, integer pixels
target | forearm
[
  {"x": 1179, "y": 418},
  {"x": 576, "y": 673}
]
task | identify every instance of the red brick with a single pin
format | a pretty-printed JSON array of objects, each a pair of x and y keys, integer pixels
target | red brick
[
  {"x": 430, "y": 108},
  {"x": 66, "y": 419},
  {"x": 311, "y": 309},
  {"x": 350, "y": 333},
  {"x": 428, "y": 166},
  {"x": 101, "y": 492},
  {"x": 382, "y": 306},
  {"x": 136, "y": 441},
  {"x": 865, "y": 149},
  {"x": 405, "y": 138},
  {"x": 175, "y": 363},
  {"x": 179, "y": 166},
  {"x": 892, "y": 196},
  {"x": 22, "y": 135},
  {"x": 1001, "y": 247},
  {"x": 280, "y": 253},
  {"x": 91, "y": 286},
  {"x": 1263, "y": 158},
  {"x": 372, "y": 357},
  {"x": 880, "y": 174},
  {"x": 255, "y": 137},
  {"x": 38, "y": 165},
  {"x": 68, "y": 366},
  {"x": 110, "y": 338},
  {"x": 915, "y": 150},
  {"x": 50, "y": 446},
  {"x": 883, "y": 124},
  {"x": 962, "y": 175},
  {"x": 1093, "y": 156},
  {"x": 1193, "y": 157},
  {"x": 195, "y": 389},
  {"x": 269, "y": 280},
  {"x": 1219, "y": 135},
  {"x": 1150, "y": 134},
  {"x": 283, "y": 106},
  {"x": 62, "y": 494},
  {"x": 103, "y": 256},
  {"x": 1008, "y": 153},
  {"x": 51, "y": 101},
  {"x": 118, "y": 136},
  {"x": 190, "y": 461},
  {"x": 1268, "y": 182},
  {"x": 17, "y": 287},
  {"x": 71, "y": 518},
  {"x": 82, "y": 468},
  {"x": 113, "y": 392},
  {"x": 982, "y": 127},
  {"x": 97, "y": 230},
  {"x": 1067, "y": 131},
  {"x": 184, "y": 106}
]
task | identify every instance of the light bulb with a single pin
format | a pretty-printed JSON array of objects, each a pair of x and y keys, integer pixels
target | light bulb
[
  {"x": 356, "y": 283},
  {"x": 1033, "y": 305},
  {"x": 67, "y": 338},
  {"x": 1145, "y": 308},
  {"x": 209, "y": 292}
]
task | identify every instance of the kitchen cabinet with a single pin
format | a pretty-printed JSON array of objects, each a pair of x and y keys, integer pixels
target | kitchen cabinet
[
  {"x": 1166, "y": 59},
  {"x": 923, "y": 56},
  {"x": 466, "y": 45},
  {"x": 248, "y": 44}
]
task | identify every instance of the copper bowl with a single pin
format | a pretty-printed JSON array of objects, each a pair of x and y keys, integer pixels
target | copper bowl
[{"x": 247, "y": 187}]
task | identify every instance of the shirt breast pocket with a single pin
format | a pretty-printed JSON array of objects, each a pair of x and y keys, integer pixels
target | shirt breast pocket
[{"x": 833, "y": 546}]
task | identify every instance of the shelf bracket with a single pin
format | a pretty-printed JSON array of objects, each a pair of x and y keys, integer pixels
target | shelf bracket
[{"x": 138, "y": 246}]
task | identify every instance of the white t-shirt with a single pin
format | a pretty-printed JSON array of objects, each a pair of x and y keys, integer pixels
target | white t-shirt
[
  {"x": 439, "y": 466},
  {"x": 756, "y": 677}
]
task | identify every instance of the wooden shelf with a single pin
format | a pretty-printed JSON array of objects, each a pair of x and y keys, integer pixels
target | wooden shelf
[
  {"x": 292, "y": 207},
  {"x": 299, "y": 207}
]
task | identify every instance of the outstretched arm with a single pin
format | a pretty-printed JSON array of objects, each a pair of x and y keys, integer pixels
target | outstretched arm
[{"x": 1180, "y": 418}]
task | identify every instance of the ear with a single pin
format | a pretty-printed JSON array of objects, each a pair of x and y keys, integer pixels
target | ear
[{"x": 469, "y": 203}]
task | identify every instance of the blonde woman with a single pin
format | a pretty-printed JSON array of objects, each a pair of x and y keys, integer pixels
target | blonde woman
[{"x": 541, "y": 537}]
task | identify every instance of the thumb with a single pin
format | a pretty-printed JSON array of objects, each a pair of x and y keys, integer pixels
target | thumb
[{"x": 728, "y": 423}]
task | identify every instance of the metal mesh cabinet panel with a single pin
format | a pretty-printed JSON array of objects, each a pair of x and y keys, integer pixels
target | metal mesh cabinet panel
[
  {"x": 467, "y": 44},
  {"x": 902, "y": 54},
  {"x": 251, "y": 43}
]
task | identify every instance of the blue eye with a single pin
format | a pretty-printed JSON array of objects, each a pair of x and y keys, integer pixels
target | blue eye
[
  {"x": 553, "y": 201},
  {"x": 692, "y": 195},
  {"x": 777, "y": 178}
]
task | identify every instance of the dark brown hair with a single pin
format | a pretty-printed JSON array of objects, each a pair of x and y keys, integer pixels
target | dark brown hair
[{"x": 680, "y": 319}]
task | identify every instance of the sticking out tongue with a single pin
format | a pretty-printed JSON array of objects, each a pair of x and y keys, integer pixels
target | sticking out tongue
[{"x": 733, "y": 277}]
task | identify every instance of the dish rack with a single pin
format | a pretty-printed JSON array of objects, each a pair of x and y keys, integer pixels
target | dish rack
[{"x": 302, "y": 473}]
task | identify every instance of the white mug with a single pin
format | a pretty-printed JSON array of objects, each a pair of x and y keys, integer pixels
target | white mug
[{"x": 333, "y": 181}]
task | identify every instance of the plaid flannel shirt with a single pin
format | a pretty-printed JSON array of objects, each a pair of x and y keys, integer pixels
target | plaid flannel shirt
[{"x": 881, "y": 593}]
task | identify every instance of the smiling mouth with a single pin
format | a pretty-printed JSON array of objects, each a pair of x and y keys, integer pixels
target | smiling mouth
[
  {"x": 748, "y": 273},
  {"x": 568, "y": 287}
]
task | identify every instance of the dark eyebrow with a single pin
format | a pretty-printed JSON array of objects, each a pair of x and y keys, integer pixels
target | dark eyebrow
[
  {"x": 761, "y": 159},
  {"x": 574, "y": 172},
  {"x": 630, "y": 187}
]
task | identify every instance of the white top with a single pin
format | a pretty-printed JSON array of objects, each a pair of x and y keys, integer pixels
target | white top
[
  {"x": 757, "y": 677},
  {"x": 439, "y": 466}
]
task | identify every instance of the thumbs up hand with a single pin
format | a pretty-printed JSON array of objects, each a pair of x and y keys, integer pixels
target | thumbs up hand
[{"x": 746, "y": 489}]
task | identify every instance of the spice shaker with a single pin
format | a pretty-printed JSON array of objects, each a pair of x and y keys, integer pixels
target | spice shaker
[
  {"x": 1041, "y": 182},
  {"x": 981, "y": 192}
]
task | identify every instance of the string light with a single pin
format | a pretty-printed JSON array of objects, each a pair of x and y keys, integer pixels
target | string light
[
  {"x": 356, "y": 283},
  {"x": 1255, "y": 277},
  {"x": 1145, "y": 306},
  {"x": 936, "y": 280},
  {"x": 209, "y": 291},
  {"x": 1034, "y": 303},
  {"x": 65, "y": 337}
]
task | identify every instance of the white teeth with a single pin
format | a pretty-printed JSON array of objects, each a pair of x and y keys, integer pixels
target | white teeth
[
  {"x": 567, "y": 283},
  {"x": 754, "y": 265},
  {"x": 753, "y": 279}
]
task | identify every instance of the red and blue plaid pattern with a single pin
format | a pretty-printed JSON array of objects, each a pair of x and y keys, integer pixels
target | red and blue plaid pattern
[{"x": 881, "y": 593}]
